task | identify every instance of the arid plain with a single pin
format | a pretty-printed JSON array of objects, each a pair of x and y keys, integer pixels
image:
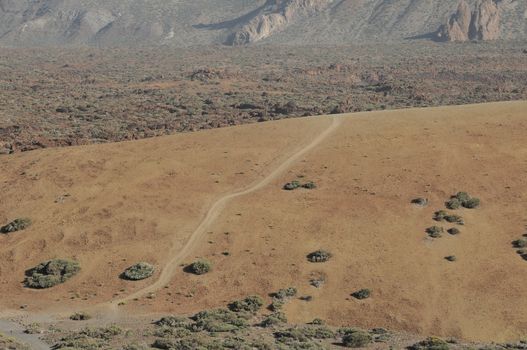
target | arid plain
[{"x": 109, "y": 206}]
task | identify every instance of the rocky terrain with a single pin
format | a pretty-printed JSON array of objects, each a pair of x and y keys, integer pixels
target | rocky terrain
[
  {"x": 483, "y": 23},
  {"x": 239, "y": 22},
  {"x": 74, "y": 97}
]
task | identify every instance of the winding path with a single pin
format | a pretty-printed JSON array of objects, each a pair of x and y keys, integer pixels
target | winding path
[
  {"x": 173, "y": 265},
  {"x": 16, "y": 331}
]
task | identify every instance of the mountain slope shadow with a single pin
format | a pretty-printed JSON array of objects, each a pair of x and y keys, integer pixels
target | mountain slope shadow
[{"x": 230, "y": 24}]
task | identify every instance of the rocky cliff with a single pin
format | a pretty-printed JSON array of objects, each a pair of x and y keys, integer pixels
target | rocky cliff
[
  {"x": 481, "y": 23},
  {"x": 275, "y": 16}
]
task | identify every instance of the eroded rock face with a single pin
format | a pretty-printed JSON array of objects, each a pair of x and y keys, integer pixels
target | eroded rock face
[
  {"x": 458, "y": 25},
  {"x": 483, "y": 23},
  {"x": 276, "y": 15}
]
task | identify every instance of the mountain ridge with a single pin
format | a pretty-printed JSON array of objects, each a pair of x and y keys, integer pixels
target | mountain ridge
[{"x": 242, "y": 22}]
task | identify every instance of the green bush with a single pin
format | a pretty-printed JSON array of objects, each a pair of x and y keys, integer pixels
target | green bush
[
  {"x": 319, "y": 256},
  {"x": 78, "y": 342},
  {"x": 440, "y": 215},
  {"x": 309, "y": 185},
  {"x": 454, "y": 219},
  {"x": 277, "y": 304},
  {"x": 173, "y": 332},
  {"x": 362, "y": 294},
  {"x": 431, "y": 343},
  {"x": 164, "y": 344},
  {"x": 453, "y": 204},
  {"x": 520, "y": 243},
  {"x": 301, "y": 338},
  {"x": 356, "y": 338},
  {"x": 462, "y": 196},
  {"x": 454, "y": 231},
  {"x": 420, "y": 201},
  {"x": 252, "y": 303},
  {"x": 50, "y": 273},
  {"x": 466, "y": 200},
  {"x": 319, "y": 332},
  {"x": 139, "y": 271},
  {"x": 285, "y": 293},
  {"x": 435, "y": 231},
  {"x": 318, "y": 321},
  {"x": 106, "y": 333},
  {"x": 200, "y": 267},
  {"x": 173, "y": 321},
  {"x": 135, "y": 346},
  {"x": 220, "y": 320},
  {"x": 472, "y": 203},
  {"x": 16, "y": 225},
  {"x": 274, "y": 319},
  {"x": 293, "y": 185},
  {"x": 80, "y": 316}
]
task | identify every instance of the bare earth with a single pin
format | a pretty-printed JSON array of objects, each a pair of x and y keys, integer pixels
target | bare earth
[{"x": 112, "y": 205}]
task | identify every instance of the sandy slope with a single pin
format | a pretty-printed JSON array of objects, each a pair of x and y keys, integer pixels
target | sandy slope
[{"x": 143, "y": 200}]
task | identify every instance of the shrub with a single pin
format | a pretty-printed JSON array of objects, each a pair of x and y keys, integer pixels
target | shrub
[
  {"x": 309, "y": 185},
  {"x": 431, "y": 343},
  {"x": 462, "y": 196},
  {"x": 318, "y": 321},
  {"x": 356, "y": 338},
  {"x": 319, "y": 256},
  {"x": 420, "y": 201},
  {"x": 79, "y": 341},
  {"x": 472, "y": 203},
  {"x": 453, "y": 204},
  {"x": 200, "y": 267},
  {"x": 173, "y": 332},
  {"x": 320, "y": 332},
  {"x": 51, "y": 273},
  {"x": 454, "y": 231},
  {"x": 454, "y": 219},
  {"x": 520, "y": 243},
  {"x": 317, "y": 282},
  {"x": 173, "y": 321},
  {"x": 106, "y": 333},
  {"x": 16, "y": 225},
  {"x": 250, "y": 304},
  {"x": 440, "y": 215},
  {"x": 362, "y": 294},
  {"x": 33, "y": 328},
  {"x": 466, "y": 200},
  {"x": 285, "y": 293},
  {"x": 164, "y": 344},
  {"x": 435, "y": 231},
  {"x": 135, "y": 346},
  {"x": 300, "y": 338},
  {"x": 219, "y": 320},
  {"x": 276, "y": 305},
  {"x": 451, "y": 258},
  {"x": 274, "y": 319},
  {"x": 80, "y": 316},
  {"x": 139, "y": 271},
  {"x": 293, "y": 185}
]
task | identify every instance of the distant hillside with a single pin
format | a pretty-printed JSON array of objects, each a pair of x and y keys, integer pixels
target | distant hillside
[{"x": 239, "y": 22}]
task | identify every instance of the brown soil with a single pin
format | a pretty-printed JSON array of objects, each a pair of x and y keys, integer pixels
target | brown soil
[{"x": 142, "y": 200}]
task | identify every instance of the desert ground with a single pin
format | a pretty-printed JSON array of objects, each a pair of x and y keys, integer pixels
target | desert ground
[
  {"x": 87, "y": 95},
  {"x": 217, "y": 194}
]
